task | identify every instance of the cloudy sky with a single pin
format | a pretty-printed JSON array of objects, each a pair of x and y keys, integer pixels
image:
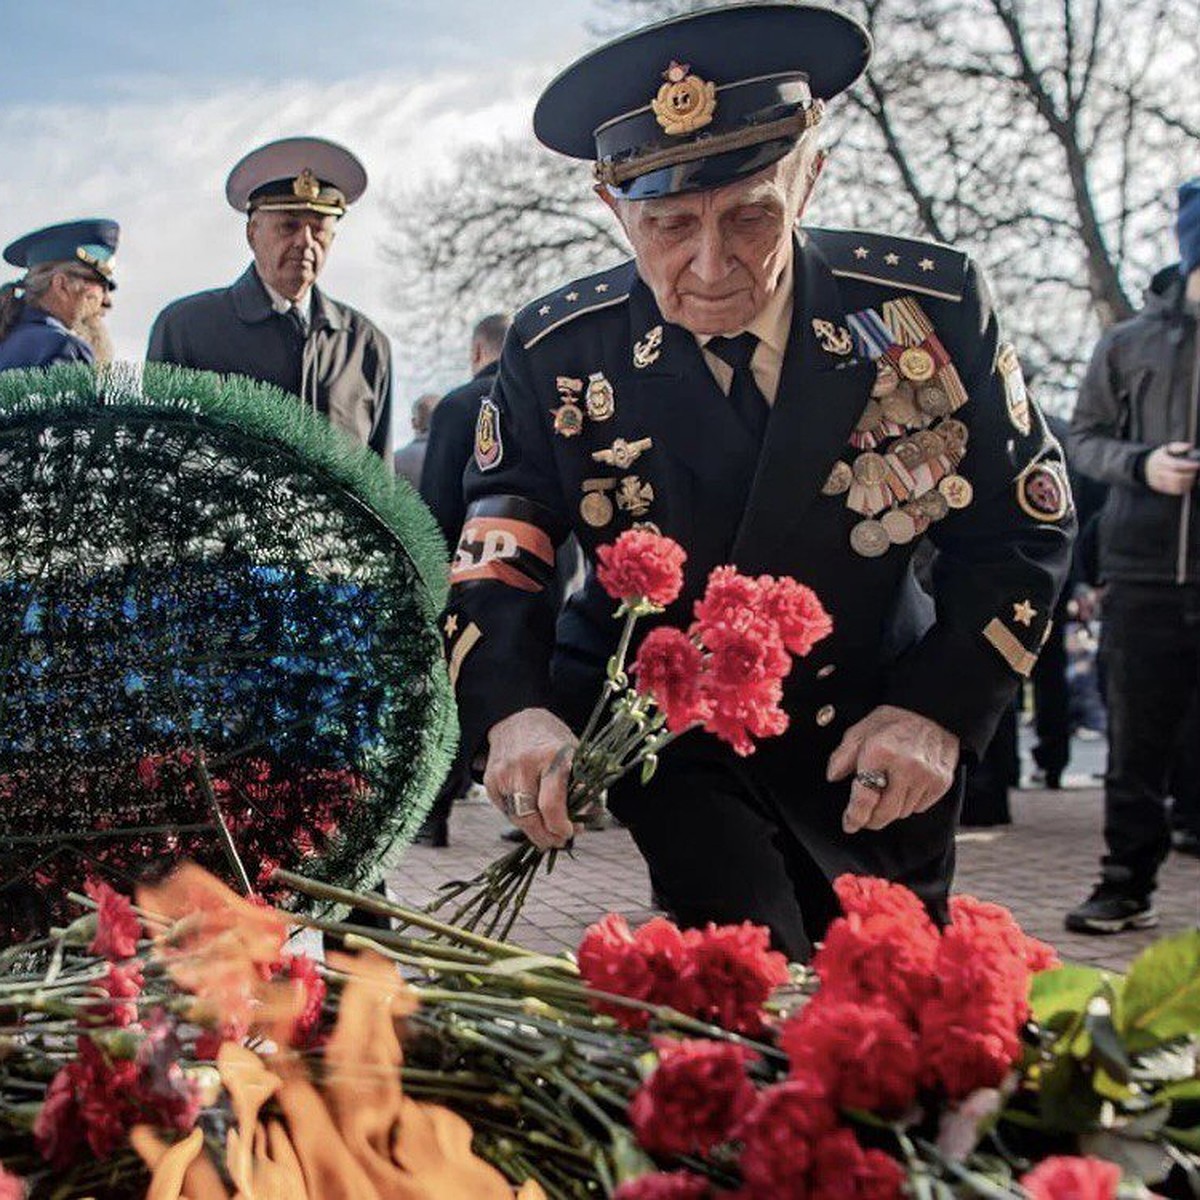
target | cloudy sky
[{"x": 136, "y": 109}]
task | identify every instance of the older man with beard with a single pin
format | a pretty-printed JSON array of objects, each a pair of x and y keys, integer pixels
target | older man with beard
[
  {"x": 274, "y": 324},
  {"x": 55, "y": 312},
  {"x": 794, "y": 401}
]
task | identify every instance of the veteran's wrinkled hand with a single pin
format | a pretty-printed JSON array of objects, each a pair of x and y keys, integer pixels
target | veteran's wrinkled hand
[
  {"x": 910, "y": 755},
  {"x": 528, "y": 769}
]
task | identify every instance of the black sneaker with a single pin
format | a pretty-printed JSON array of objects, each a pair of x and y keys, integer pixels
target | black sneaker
[{"x": 1111, "y": 909}]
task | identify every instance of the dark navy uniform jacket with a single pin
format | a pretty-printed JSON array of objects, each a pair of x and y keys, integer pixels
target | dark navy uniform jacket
[
  {"x": 704, "y": 483},
  {"x": 451, "y": 436},
  {"x": 342, "y": 368},
  {"x": 40, "y": 340}
]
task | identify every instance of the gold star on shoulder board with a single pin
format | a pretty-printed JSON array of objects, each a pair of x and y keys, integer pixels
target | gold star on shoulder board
[
  {"x": 861, "y": 252},
  {"x": 926, "y": 264},
  {"x": 543, "y": 310},
  {"x": 1024, "y": 613},
  {"x": 451, "y": 625},
  {"x": 602, "y": 287},
  {"x": 571, "y": 297},
  {"x": 892, "y": 260}
]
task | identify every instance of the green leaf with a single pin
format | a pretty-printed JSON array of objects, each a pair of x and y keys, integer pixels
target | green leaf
[
  {"x": 1063, "y": 990},
  {"x": 1067, "y": 1102},
  {"x": 649, "y": 767},
  {"x": 1187, "y": 1089},
  {"x": 1161, "y": 998},
  {"x": 628, "y": 1158}
]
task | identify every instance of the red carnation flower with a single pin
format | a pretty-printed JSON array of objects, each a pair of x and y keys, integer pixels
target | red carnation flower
[
  {"x": 742, "y": 683},
  {"x": 842, "y": 1170},
  {"x": 797, "y": 612},
  {"x": 610, "y": 961},
  {"x": 1068, "y": 1178},
  {"x": 962, "y": 1049},
  {"x": 780, "y": 1135},
  {"x": 729, "y": 599},
  {"x": 302, "y": 971},
  {"x": 869, "y": 896},
  {"x": 117, "y": 925},
  {"x": 11, "y": 1188},
  {"x": 641, "y": 565},
  {"x": 668, "y": 668},
  {"x": 735, "y": 972},
  {"x": 666, "y": 953},
  {"x": 122, "y": 985},
  {"x": 865, "y": 1056},
  {"x": 694, "y": 1099},
  {"x": 661, "y": 1185}
]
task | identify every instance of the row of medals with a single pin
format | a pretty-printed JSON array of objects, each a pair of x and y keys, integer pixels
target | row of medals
[
  {"x": 631, "y": 494},
  {"x": 903, "y": 487}
]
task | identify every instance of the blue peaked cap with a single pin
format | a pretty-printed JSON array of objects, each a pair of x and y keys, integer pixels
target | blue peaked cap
[{"x": 92, "y": 243}]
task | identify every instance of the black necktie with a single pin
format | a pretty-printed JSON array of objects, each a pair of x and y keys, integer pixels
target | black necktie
[
  {"x": 296, "y": 321},
  {"x": 747, "y": 401}
]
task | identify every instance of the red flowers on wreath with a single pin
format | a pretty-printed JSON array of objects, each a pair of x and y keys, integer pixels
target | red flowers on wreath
[
  {"x": 1069, "y": 1178},
  {"x": 659, "y": 1185},
  {"x": 695, "y": 1099},
  {"x": 722, "y": 973}
]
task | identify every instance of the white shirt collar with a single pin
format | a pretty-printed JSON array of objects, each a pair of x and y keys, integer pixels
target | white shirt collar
[{"x": 281, "y": 304}]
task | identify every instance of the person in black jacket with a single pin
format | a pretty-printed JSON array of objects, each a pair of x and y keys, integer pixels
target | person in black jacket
[
  {"x": 452, "y": 428},
  {"x": 793, "y": 401},
  {"x": 1135, "y": 429}
]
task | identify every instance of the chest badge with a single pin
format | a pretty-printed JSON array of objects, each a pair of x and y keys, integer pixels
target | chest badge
[
  {"x": 634, "y": 496},
  {"x": 599, "y": 398},
  {"x": 646, "y": 352},
  {"x": 833, "y": 339},
  {"x": 568, "y": 417},
  {"x": 621, "y": 453},
  {"x": 489, "y": 447}
]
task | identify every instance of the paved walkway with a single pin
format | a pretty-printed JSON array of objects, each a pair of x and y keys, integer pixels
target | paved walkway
[{"x": 1039, "y": 866}]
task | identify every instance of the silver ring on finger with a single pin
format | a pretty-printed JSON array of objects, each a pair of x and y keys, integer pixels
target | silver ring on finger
[
  {"x": 518, "y": 805},
  {"x": 875, "y": 781}
]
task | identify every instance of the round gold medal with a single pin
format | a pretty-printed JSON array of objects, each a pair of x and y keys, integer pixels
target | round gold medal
[
  {"x": 931, "y": 445},
  {"x": 870, "y": 469},
  {"x": 899, "y": 527},
  {"x": 596, "y": 509},
  {"x": 933, "y": 401},
  {"x": 840, "y": 478},
  {"x": 917, "y": 364},
  {"x": 957, "y": 490},
  {"x": 899, "y": 407},
  {"x": 870, "y": 539},
  {"x": 954, "y": 432}
]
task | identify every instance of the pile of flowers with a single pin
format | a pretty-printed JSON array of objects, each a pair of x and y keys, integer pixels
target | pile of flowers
[
  {"x": 177, "y": 1049},
  {"x": 723, "y": 674}
]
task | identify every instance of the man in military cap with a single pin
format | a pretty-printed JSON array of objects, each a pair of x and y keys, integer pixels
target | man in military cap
[
  {"x": 809, "y": 404},
  {"x": 274, "y": 323},
  {"x": 52, "y": 314}
]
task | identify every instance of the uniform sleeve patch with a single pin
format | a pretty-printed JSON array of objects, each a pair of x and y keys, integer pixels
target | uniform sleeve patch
[
  {"x": 1009, "y": 647},
  {"x": 489, "y": 443},
  {"x": 1016, "y": 396},
  {"x": 1043, "y": 492}
]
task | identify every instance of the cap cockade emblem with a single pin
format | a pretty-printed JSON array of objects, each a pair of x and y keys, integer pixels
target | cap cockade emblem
[
  {"x": 685, "y": 102},
  {"x": 305, "y": 185}
]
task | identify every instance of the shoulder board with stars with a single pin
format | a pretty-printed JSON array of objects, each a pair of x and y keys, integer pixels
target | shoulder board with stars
[
  {"x": 917, "y": 266},
  {"x": 601, "y": 290}
]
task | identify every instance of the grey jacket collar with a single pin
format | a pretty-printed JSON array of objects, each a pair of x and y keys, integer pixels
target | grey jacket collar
[{"x": 252, "y": 304}]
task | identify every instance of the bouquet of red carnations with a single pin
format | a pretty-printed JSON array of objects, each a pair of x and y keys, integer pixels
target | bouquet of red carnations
[{"x": 724, "y": 674}]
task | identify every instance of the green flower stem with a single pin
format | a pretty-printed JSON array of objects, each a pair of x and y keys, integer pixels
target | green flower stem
[
  {"x": 387, "y": 908},
  {"x": 395, "y": 940},
  {"x": 617, "y": 664}
]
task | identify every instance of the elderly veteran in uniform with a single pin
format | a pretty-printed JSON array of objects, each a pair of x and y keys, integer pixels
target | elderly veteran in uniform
[
  {"x": 803, "y": 402},
  {"x": 274, "y": 324},
  {"x": 52, "y": 314}
]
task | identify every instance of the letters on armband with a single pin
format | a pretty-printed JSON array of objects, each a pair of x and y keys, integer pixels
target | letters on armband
[{"x": 505, "y": 548}]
